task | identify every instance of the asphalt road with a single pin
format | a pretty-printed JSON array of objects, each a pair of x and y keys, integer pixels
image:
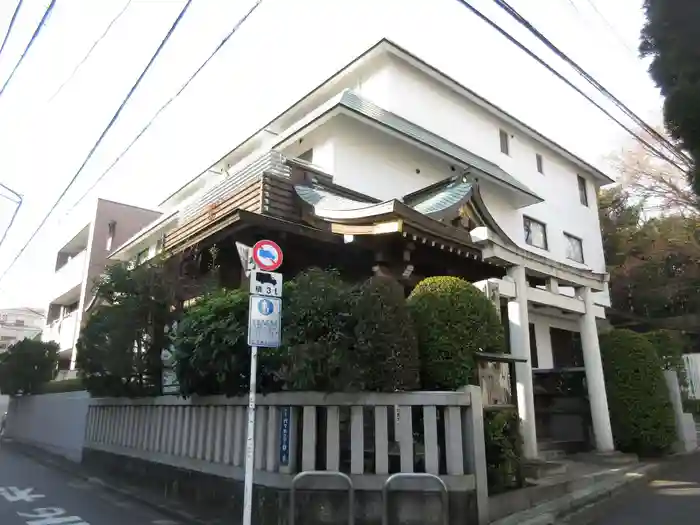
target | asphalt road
[
  {"x": 672, "y": 497},
  {"x": 32, "y": 494}
]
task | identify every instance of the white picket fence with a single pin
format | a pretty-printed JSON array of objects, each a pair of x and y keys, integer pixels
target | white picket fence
[{"x": 208, "y": 435}]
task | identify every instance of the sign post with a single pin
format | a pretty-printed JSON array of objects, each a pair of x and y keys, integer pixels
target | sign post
[{"x": 264, "y": 331}]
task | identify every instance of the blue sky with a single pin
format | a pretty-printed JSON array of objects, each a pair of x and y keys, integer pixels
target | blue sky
[{"x": 278, "y": 55}]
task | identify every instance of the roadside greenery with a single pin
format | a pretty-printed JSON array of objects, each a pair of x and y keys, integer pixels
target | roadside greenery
[
  {"x": 453, "y": 320},
  {"x": 640, "y": 408},
  {"x": 120, "y": 345},
  {"x": 26, "y": 366}
]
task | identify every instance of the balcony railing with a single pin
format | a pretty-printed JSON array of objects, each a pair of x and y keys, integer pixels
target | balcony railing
[
  {"x": 68, "y": 276},
  {"x": 271, "y": 162}
]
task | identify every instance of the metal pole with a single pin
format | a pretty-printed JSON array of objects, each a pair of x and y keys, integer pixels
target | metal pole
[{"x": 250, "y": 441}]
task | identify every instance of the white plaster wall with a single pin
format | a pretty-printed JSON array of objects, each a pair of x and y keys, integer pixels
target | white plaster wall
[
  {"x": 53, "y": 422},
  {"x": 420, "y": 99},
  {"x": 542, "y": 336}
]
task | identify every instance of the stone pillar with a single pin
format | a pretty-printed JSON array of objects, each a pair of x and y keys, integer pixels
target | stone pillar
[
  {"x": 594, "y": 375},
  {"x": 518, "y": 323}
]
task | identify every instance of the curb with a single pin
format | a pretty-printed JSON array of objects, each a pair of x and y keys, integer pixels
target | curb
[
  {"x": 561, "y": 510},
  {"x": 45, "y": 458},
  {"x": 586, "y": 505},
  {"x": 592, "y": 511}
]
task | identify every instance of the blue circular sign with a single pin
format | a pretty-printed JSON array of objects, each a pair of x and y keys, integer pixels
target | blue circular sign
[{"x": 266, "y": 307}]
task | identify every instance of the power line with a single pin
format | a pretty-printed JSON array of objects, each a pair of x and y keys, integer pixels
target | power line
[
  {"x": 612, "y": 28},
  {"x": 18, "y": 205},
  {"x": 12, "y": 24},
  {"x": 561, "y": 77},
  {"x": 92, "y": 48},
  {"x": 101, "y": 137},
  {"x": 503, "y": 4},
  {"x": 168, "y": 102},
  {"x": 29, "y": 44}
]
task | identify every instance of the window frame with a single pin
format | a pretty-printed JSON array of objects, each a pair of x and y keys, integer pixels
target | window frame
[
  {"x": 526, "y": 219},
  {"x": 582, "y": 185},
  {"x": 504, "y": 139},
  {"x": 567, "y": 237}
]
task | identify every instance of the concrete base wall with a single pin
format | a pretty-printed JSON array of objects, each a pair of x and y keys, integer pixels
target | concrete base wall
[
  {"x": 216, "y": 496},
  {"x": 53, "y": 422}
]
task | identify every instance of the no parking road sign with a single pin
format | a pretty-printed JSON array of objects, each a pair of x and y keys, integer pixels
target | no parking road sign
[{"x": 267, "y": 255}]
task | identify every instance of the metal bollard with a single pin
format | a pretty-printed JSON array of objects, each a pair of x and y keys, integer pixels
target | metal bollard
[
  {"x": 403, "y": 475},
  {"x": 321, "y": 474}
]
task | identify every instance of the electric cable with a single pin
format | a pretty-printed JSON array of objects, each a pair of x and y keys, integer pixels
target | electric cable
[
  {"x": 561, "y": 77},
  {"x": 168, "y": 102},
  {"x": 10, "y": 26},
  {"x": 663, "y": 141},
  {"x": 29, "y": 45},
  {"x": 101, "y": 137},
  {"x": 92, "y": 48}
]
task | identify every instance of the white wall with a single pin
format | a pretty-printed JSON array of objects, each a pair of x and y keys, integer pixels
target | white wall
[
  {"x": 420, "y": 99},
  {"x": 370, "y": 161},
  {"x": 54, "y": 422}
]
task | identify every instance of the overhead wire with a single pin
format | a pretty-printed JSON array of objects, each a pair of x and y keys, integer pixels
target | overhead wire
[
  {"x": 38, "y": 29},
  {"x": 17, "y": 200},
  {"x": 10, "y": 26},
  {"x": 92, "y": 48},
  {"x": 100, "y": 139},
  {"x": 561, "y": 77},
  {"x": 658, "y": 137},
  {"x": 612, "y": 28},
  {"x": 160, "y": 110}
]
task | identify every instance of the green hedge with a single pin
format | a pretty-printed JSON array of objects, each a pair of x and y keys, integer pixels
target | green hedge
[
  {"x": 386, "y": 349},
  {"x": 212, "y": 355},
  {"x": 453, "y": 320},
  {"x": 640, "y": 409}
]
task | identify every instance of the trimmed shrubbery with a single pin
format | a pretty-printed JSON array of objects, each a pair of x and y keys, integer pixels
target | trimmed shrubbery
[
  {"x": 453, "y": 320},
  {"x": 386, "y": 348},
  {"x": 640, "y": 409}
]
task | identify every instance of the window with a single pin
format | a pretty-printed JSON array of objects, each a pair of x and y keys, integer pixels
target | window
[
  {"x": 19, "y": 322},
  {"x": 582, "y": 190},
  {"x": 112, "y": 229},
  {"x": 574, "y": 248},
  {"x": 159, "y": 245},
  {"x": 7, "y": 338},
  {"x": 505, "y": 142},
  {"x": 535, "y": 233},
  {"x": 540, "y": 163}
]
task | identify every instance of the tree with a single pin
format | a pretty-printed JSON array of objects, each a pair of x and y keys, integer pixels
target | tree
[
  {"x": 386, "y": 348},
  {"x": 26, "y": 366},
  {"x": 120, "y": 345},
  {"x": 640, "y": 408},
  {"x": 669, "y": 37},
  {"x": 453, "y": 321},
  {"x": 649, "y": 222},
  {"x": 652, "y": 182},
  {"x": 318, "y": 332}
]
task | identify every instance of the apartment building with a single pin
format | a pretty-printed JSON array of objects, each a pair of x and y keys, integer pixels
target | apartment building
[
  {"x": 81, "y": 258},
  {"x": 19, "y": 323}
]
